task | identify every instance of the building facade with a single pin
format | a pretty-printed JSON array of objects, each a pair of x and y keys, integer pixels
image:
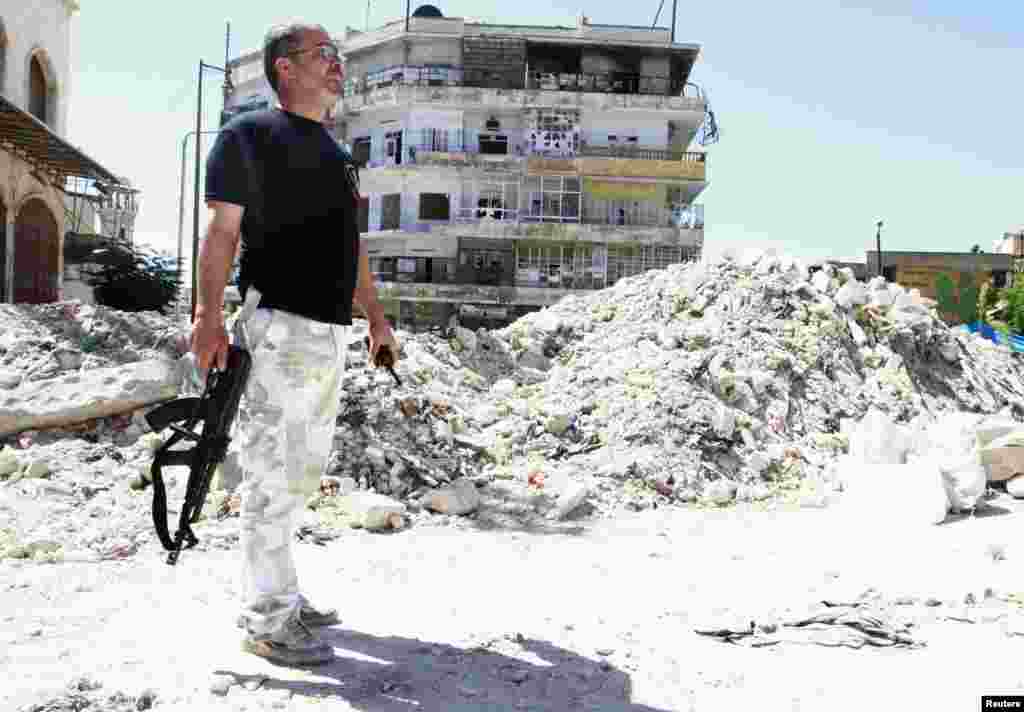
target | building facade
[
  {"x": 47, "y": 186},
  {"x": 507, "y": 166}
]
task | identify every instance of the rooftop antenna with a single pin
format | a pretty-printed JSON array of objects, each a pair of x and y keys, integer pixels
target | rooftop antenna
[
  {"x": 367, "y": 15},
  {"x": 658, "y": 14},
  {"x": 228, "y": 88}
]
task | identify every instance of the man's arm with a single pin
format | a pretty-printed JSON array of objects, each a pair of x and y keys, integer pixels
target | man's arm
[
  {"x": 366, "y": 291},
  {"x": 216, "y": 256}
]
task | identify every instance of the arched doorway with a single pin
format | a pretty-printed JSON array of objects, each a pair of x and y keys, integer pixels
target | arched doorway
[{"x": 36, "y": 254}]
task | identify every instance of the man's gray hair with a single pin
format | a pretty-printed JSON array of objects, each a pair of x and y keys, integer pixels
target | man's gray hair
[{"x": 280, "y": 41}]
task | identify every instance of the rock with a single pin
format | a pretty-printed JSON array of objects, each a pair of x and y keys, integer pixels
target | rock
[
  {"x": 467, "y": 339},
  {"x": 720, "y": 492},
  {"x": 557, "y": 424},
  {"x": 98, "y": 393},
  {"x": 37, "y": 469},
  {"x": 1015, "y": 486},
  {"x": 9, "y": 378},
  {"x": 571, "y": 497},
  {"x": 376, "y": 457},
  {"x": 373, "y": 511},
  {"x": 459, "y": 499},
  {"x": 503, "y": 388},
  {"x": 9, "y": 463},
  {"x": 724, "y": 422},
  {"x": 221, "y": 684},
  {"x": 821, "y": 282},
  {"x": 1003, "y": 457},
  {"x": 534, "y": 358},
  {"x": 68, "y": 359},
  {"x": 851, "y": 294},
  {"x": 145, "y": 700}
]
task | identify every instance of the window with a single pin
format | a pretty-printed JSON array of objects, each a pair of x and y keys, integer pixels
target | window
[
  {"x": 38, "y": 99},
  {"x": 393, "y": 147},
  {"x": 492, "y": 199},
  {"x": 434, "y": 206},
  {"x": 553, "y": 198},
  {"x": 363, "y": 215},
  {"x": 391, "y": 211},
  {"x": 361, "y": 150},
  {"x": 494, "y": 145}
]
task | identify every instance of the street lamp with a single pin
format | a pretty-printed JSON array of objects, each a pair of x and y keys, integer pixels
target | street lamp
[
  {"x": 878, "y": 243},
  {"x": 181, "y": 212},
  {"x": 195, "y": 208}
]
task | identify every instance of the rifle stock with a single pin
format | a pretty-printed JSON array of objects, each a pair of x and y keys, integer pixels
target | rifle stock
[{"x": 216, "y": 410}]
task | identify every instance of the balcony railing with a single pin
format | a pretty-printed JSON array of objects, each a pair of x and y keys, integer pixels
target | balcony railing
[
  {"x": 640, "y": 153},
  {"x": 451, "y": 75}
]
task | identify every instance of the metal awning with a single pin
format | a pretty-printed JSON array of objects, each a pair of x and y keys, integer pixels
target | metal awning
[{"x": 34, "y": 142}]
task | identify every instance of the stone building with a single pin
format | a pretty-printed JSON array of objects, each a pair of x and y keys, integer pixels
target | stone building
[
  {"x": 507, "y": 166},
  {"x": 47, "y": 186}
]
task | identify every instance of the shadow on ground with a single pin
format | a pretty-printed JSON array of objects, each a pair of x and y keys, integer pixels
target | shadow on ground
[
  {"x": 506, "y": 508},
  {"x": 393, "y": 674}
]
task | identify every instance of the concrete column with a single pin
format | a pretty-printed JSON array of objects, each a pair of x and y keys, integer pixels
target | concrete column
[{"x": 8, "y": 276}]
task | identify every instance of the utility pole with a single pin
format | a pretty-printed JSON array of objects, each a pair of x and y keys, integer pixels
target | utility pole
[
  {"x": 226, "y": 70},
  {"x": 878, "y": 244}
]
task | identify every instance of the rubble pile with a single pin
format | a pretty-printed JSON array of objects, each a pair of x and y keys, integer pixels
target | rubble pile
[
  {"x": 718, "y": 382},
  {"x": 709, "y": 384},
  {"x": 39, "y": 342}
]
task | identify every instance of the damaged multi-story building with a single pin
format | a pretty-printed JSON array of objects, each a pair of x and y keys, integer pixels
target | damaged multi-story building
[
  {"x": 504, "y": 167},
  {"x": 56, "y": 203}
]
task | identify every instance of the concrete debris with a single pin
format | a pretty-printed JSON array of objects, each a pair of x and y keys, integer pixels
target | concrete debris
[
  {"x": 852, "y": 625},
  {"x": 460, "y": 499},
  {"x": 737, "y": 383},
  {"x": 86, "y": 695}
]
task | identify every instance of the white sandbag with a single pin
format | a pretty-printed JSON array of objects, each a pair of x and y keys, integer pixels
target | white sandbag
[
  {"x": 887, "y": 495},
  {"x": 965, "y": 487},
  {"x": 878, "y": 440}
]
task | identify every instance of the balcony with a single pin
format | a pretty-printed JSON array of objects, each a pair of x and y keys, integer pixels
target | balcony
[
  {"x": 689, "y": 168},
  {"x": 641, "y": 153},
  {"x": 584, "y": 91}
]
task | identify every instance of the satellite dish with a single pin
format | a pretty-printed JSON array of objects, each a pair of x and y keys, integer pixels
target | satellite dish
[{"x": 427, "y": 11}]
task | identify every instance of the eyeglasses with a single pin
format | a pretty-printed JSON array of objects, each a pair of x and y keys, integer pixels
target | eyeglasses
[{"x": 328, "y": 52}]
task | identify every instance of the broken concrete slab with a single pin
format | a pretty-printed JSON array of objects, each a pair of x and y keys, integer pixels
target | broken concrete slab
[
  {"x": 459, "y": 499},
  {"x": 85, "y": 395}
]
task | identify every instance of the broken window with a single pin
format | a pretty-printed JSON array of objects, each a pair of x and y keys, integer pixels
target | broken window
[
  {"x": 434, "y": 206},
  {"x": 553, "y": 198},
  {"x": 554, "y": 132},
  {"x": 361, "y": 150},
  {"x": 393, "y": 147},
  {"x": 363, "y": 215},
  {"x": 391, "y": 211},
  {"x": 497, "y": 200},
  {"x": 493, "y": 144}
]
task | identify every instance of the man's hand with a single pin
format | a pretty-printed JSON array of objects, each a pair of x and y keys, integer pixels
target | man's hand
[
  {"x": 380, "y": 336},
  {"x": 209, "y": 343}
]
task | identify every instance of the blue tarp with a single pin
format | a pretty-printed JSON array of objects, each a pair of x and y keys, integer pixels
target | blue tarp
[{"x": 1014, "y": 341}]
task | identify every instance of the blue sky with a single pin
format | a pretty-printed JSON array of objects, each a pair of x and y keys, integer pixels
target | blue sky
[{"x": 834, "y": 114}]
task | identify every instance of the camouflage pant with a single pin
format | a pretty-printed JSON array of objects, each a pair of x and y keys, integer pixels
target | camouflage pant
[{"x": 286, "y": 425}]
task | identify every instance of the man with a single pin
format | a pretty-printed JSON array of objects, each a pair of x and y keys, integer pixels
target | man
[{"x": 279, "y": 181}]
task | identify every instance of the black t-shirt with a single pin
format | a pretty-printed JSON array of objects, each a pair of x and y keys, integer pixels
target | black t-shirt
[{"x": 299, "y": 188}]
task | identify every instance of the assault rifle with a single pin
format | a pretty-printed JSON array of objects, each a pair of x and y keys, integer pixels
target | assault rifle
[{"x": 216, "y": 410}]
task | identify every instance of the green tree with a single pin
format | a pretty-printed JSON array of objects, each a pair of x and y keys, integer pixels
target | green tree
[
  {"x": 1015, "y": 306},
  {"x": 945, "y": 294},
  {"x": 967, "y": 299}
]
